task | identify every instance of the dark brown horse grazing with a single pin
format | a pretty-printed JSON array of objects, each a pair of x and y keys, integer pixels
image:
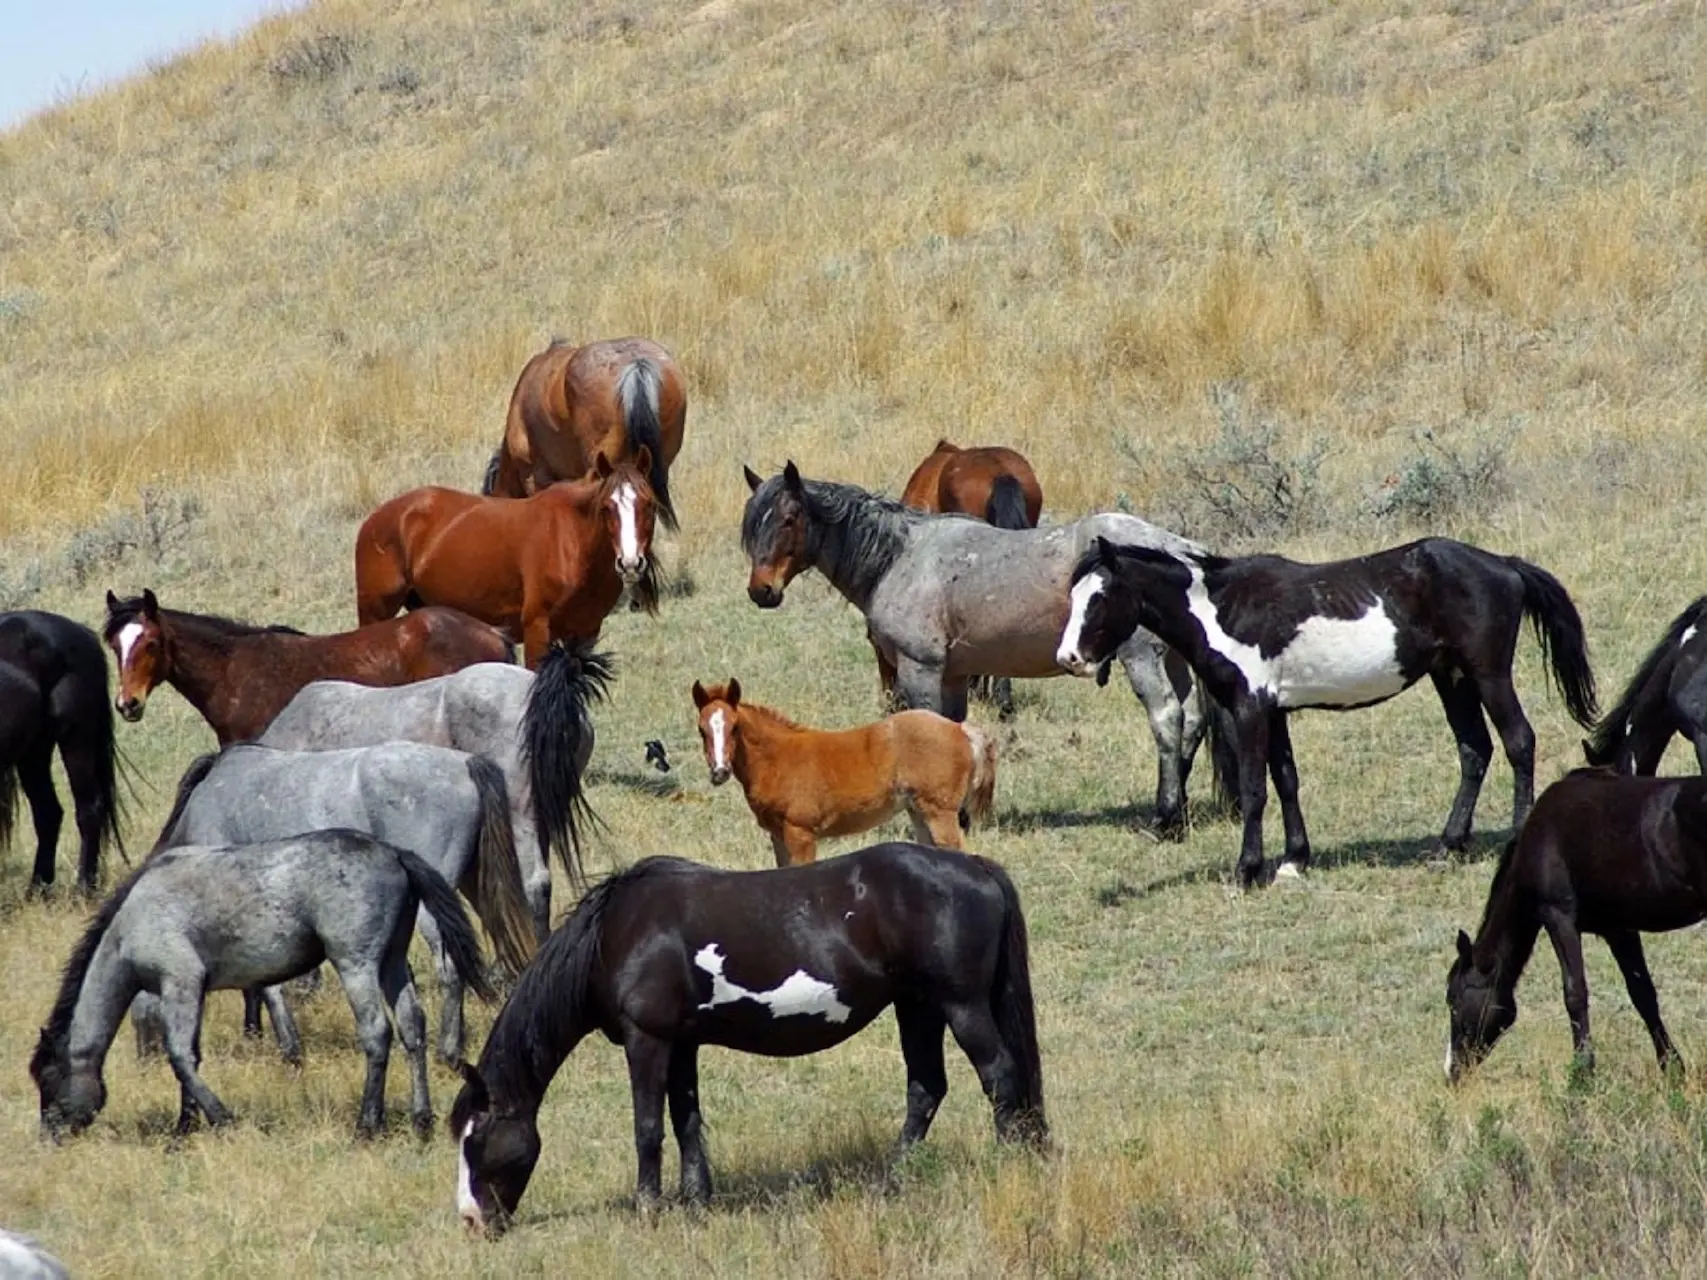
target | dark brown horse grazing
[
  {"x": 549, "y": 567},
  {"x": 988, "y": 481},
  {"x": 1600, "y": 853},
  {"x": 571, "y": 403},
  {"x": 240, "y": 676}
]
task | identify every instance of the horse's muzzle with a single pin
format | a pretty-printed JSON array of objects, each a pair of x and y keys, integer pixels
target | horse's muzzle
[
  {"x": 631, "y": 571},
  {"x": 1073, "y": 663},
  {"x": 765, "y": 595},
  {"x": 129, "y": 708},
  {"x": 719, "y": 775}
]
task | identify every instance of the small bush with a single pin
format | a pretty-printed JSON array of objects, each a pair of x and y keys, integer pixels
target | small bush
[
  {"x": 164, "y": 519},
  {"x": 1442, "y": 481},
  {"x": 319, "y": 57}
]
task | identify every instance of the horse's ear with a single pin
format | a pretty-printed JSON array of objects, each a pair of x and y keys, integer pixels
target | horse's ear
[
  {"x": 1464, "y": 946},
  {"x": 791, "y": 478},
  {"x": 753, "y": 481},
  {"x": 643, "y": 460},
  {"x": 943, "y": 446},
  {"x": 733, "y": 697},
  {"x": 150, "y": 606},
  {"x": 478, "y": 1098},
  {"x": 700, "y": 696},
  {"x": 112, "y": 601},
  {"x": 601, "y": 465},
  {"x": 1105, "y": 551}
]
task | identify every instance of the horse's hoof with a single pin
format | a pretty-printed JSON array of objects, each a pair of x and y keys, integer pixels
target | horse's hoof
[
  {"x": 1289, "y": 871},
  {"x": 423, "y": 1125},
  {"x": 1171, "y": 830}
]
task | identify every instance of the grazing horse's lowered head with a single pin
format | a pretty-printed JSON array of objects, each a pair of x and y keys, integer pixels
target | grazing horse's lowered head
[{"x": 1480, "y": 1005}]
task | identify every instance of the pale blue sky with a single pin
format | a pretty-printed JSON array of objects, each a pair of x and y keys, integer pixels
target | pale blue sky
[{"x": 54, "y": 50}]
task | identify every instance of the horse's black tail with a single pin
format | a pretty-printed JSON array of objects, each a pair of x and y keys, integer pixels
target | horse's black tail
[
  {"x": 8, "y": 802},
  {"x": 489, "y": 482},
  {"x": 1006, "y": 507},
  {"x": 455, "y": 931},
  {"x": 557, "y": 739},
  {"x": 1223, "y": 753},
  {"x": 638, "y": 388},
  {"x": 199, "y": 769},
  {"x": 1603, "y": 744},
  {"x": 1559, "y": 630},
  {"x": 499, "y": 897},
  {"x": 106, "y": 750},
  {"x": 1016, "y": 1015}
]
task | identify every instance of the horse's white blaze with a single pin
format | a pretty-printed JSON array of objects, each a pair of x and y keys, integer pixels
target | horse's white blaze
[
  {"x": 1086, "y": 589},
  {"x": 799, "y": 994},
  {"x": 627, "y": 523},
  {"x": 719, "y": 726},
  {"x": 1330, "y": 662},
  {"x": 466, "y": 1205},
  {"x": 127, "y": 637},
  {"x": 1684, "y": 639}
]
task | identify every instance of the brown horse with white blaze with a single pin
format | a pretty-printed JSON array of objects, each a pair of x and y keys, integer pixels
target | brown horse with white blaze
[
  {"x": 805, "y": 783},
  {"x": 549, "y": 567},
  {"x": 992, "y": 482},
  {"x": 616, "y": 397}
]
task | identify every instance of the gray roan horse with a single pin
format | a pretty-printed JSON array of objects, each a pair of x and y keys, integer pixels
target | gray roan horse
[
  {"x": 947, "y": 598},
  {"x": 194, "y": 920},
  {"x": 447, "y": 807},
  {"x": 534, "y": 727}
]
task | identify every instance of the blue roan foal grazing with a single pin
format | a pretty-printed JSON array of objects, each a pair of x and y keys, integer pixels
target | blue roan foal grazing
[
  {"x": 197, "y": 919},
  {"x": 669, "y": 955},
  {"x": 1267, "y": 636}
]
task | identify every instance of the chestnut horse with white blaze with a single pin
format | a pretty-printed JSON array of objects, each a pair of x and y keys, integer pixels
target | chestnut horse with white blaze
[
  {"x": 549, "y": 567},
  {"x": 616, "y": 397},
  {"x": 804, "y": 783}
]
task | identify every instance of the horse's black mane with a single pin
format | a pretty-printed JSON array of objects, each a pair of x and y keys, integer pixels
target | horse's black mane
[
  {"x": 1603, "y": 741},
  {"x": 547, "y": 1012},
  {"x": 222, "y": 627},
  {"x": 1090, "y": 557},
  {"x": 191, "y": 779},
  {"x": 77, "y": 967},
  {"x": 856, "y": 533}
]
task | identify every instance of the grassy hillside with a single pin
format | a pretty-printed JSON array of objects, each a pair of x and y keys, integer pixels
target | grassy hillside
[{"x": 1311, "y": 277}]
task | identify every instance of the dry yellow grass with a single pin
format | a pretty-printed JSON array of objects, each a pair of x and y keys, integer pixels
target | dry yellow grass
[{"x": 294, "y": 274}]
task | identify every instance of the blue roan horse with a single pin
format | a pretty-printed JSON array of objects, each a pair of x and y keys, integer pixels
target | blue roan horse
[
  {"x": 1268, "y": 636},
  {"x": 669, "y": 955}
]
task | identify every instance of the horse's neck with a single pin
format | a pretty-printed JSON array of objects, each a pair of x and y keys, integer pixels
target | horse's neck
[
  {"x": 1509, "y": 928},
  {"x": 109, "y": 985},
  {"x": 760, "y": 739},
  {"x": 856, "y": 573},
  {"x": 200, "y": 665}
]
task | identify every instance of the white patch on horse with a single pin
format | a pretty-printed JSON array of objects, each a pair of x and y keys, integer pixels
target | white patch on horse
[
  {"x": 466, "y": 1205},
  {"x": 1086, "y": 589},
  {"x": 127, "y": 637},
  {"x": 719, "y": 726},
  {"x": 627, "y": 523},
  {"x": 799, "y": 994},
  {"x": 1449, "y": 1057},
  {"x": 1288, "y": 871},
  {"x": 1686, "y": 637},
  {"x": 1329, "y": 662}
]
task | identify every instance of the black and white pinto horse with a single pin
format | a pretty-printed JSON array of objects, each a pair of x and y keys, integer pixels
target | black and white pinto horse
[
  {"x": 1667, "y": 695},
  {"x": 948, "y": 598},
  {"x": 1268, "y": 636},
  {"x": 670, "y": 955},
  {"x": 198, "y": 919},
  {"x": 53, "y": 694}
]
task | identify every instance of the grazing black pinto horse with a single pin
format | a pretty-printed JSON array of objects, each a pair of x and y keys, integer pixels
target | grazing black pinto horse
[
  {"x": 1600, "y": 853},
  {"x": 1667, "y": 695},
  {"x": 1268, "y": 636},
  {"x": 670, "y": 955},
  {"x": 53, "y": 693}
]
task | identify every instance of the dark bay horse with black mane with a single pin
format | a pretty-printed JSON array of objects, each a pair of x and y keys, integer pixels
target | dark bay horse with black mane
[
  {"x": 1269, "y": 636},
  {"x": 240, "y": 676},
  {"x": 571, "y": 403},
  {"x": 1667, "y": 695},
  {"x": 53, "y": 693},
  {"x": 947, "y": 599},
  {"x": 670, "y": 955},
  {"x": 1600, "y": 853}
]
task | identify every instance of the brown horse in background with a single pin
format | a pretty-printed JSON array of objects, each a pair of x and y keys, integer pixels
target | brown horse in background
[
  {"x": 615, "y": 397},
  {"x": 804, "y": 783},
  {"x": 240, "y": 676},
  {"x": 549, "y": 567},
  {"x": 988, "y": 481}
]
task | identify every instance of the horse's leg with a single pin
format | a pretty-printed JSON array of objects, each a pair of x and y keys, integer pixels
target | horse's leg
[
  {"x": 284, "y": 1025},
  {"x": 536, "y": 635},
  {"x": 799, "y": 846},
  {"x": 1194, "y": 714},
  {"x": 1142, "y": 658},
  {"x": 1506, "y": 712},
  {"x": 940, "y": 827},
  {"x": 148, "y": 1023},
  {"x": 181, "y": 1006},
  {"x": 1568, "y": 946},
  {"x": 648, "y": 1079},
  {"x": 397, "y": 985},
  {"x": 451, "y": 1035},
  {"x": 685, "y": 1119},
  {"x": 885, "y": 671},
  {"x": 976, "y": 1033},
  {"x": 921, "y": 1026},
  {"x": 1699, "y": 739},
  {"x": 1463, "y": 706},
  {"x": 536, "y": 870},
  {"x": 35, "y": 775},
  {"x": 1253, "y": 726},
  {"x": 923, "y": 686},
  {"x": 1627, "y": 950},
  {"x": 82, "y": 760},
  {"x": 362, "y": 986},
  {"x": 1296, "y": 859}
]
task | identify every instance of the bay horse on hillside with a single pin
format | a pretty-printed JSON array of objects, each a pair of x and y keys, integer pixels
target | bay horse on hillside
[
  {"x": 240, "y": 676},
  {"x": 549, "y": 567},
  {"x": 670, "y": 955},
  {"x": 947, "y": 599},
  {"x": 1667, "y": 695},
  {"x": 615, "y": 397},
  {"x": 1269, "y": 636},
  {"x": 53, "y": 693},
  {"x": 1600, "y": 853},
  {"x": 997, "y": 485},
  {"x": 804, "y": 783}
]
